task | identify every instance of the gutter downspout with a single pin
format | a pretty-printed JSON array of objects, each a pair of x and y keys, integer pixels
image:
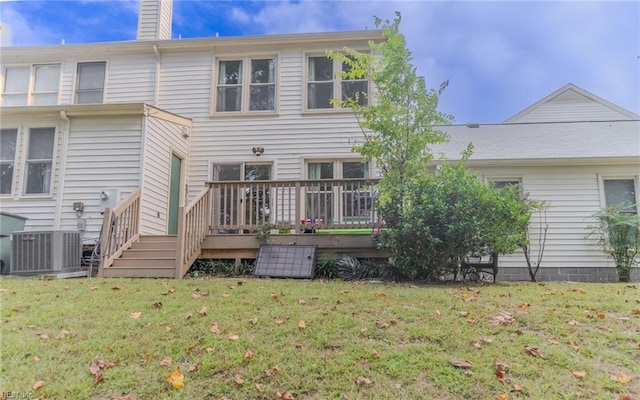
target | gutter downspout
[
  {"x": 156, "y": 94},
  {"x": 62, "y": 171}
]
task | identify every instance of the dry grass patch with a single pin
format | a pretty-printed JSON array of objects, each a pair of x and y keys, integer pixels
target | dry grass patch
[{"x": 278, "y": 339}]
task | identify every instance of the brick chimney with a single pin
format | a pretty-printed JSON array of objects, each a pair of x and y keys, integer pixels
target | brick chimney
[{"x": 154, "y": 20}]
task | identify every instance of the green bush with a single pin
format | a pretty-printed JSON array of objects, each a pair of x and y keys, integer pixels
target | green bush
[
  {"x": 446, "y": 216},
  {"x": 618, "y": 234}
]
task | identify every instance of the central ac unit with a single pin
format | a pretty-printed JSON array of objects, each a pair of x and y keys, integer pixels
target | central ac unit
[{"x": 45, "y": 252}]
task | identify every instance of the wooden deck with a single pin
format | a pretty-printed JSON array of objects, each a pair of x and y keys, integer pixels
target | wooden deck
[{"x": 338, "y": 216}]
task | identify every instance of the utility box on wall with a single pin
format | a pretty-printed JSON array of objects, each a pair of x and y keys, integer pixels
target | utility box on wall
[{"x": 109, "y": 198}]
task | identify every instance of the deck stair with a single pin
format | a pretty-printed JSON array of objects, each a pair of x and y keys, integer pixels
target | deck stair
[{"x": 150, "y": 257}]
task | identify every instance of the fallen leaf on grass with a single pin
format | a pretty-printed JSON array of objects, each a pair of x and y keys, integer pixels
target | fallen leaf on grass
[
  {"x": 125, "y": 397},
  {"x": 176, "y": 379},
  {"x": 461, "y": 363},
  {"x": 63, "y": 333},
  {"x": 166, "y": 362},
  {"x": 625, "y": 397},
  {"x": 579, "y": 374},
  {"x": 574, "y": 345},
  {"x": 573, "y": 322},
  {"x": 156, "y": 304},
  {"x": 135, "y": 315},
  {"x": 581, "y": 291},
  {"x": 534, "y": 351},
  {"x": 260, "y": 387},
  {"x": 189, "y": 315},
  {"x": 621, "y": 377},
  {"x": 554, "y": 340},
  {"x": 636, "y": 312},
  {"x": 302, "y": 301},
  {"x": 43, "y": 335},
  {"x": 487, "y": 340},
  {"x": 503, "y": 397},
  {"x": 215, "y": 328},
  {"x": 279, "y": 322},
  {"x": 253, "y": 320},
  {"x": 301, "y": 324},
  {"x": 375, "y": 354},
  {"x": 285, "y": 395},
  {"x": 233, "y": 337},
  {"x": 203, "y": 311},
  {"x": 248, "y": 355},
  {"x": 361, "y": 380},
  {"x": 504, "y": 318},
  {"x": 193, "y": 367},
  {"x": 381, "y": 325},
  {"x": 524, "y": 306},
  {"x": 238, "y": 379},
  {"x": 638, "y": 346},
  {"x": 37, "y": 386},
  {"x": 438, "y": 314},
  {"x": 601, "y": 314},
  {"x": 99, "y": 378},
  {"x": 225, "y": 295},
  {"x": 501, "y": 368},
  {"x": 36, "y": 358},
  {"x": 195, "y": 295},
  {"x": 115, "y": 288},
  {"x": 517, "y": 388}
]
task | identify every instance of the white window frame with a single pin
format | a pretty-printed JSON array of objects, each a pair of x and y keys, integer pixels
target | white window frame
[
  {"x": 14, "y": 161},
  {"x": 77, "y": 89},
  {"x": 337, "y": 85},
  {"x": 31, "y": 93},
  {"x": 27, "y": 161},
  {"x": 603, "y": 195},
  {"x": 245, "y": 85},
  {"x": 490, "y": 180}
]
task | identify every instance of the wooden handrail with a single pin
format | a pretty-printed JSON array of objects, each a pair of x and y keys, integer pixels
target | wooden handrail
[
  {"x": 120, "y": 229},
  {"x": 193, "y": 227}
]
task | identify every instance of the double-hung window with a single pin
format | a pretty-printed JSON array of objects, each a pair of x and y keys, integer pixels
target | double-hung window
[
  {"x": 31, "y": 85},
  {"x": 246, "y": 85},
  {"x": 621, "y": 192},
  {"x": 8, "y": 140},
  {"x": 39, "y": 161},
  {"x": 324, "y": 84},
  {"x": 90, "y": 82}
]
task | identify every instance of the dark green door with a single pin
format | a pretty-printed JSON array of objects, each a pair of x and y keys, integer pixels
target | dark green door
[{"x": 174, "y": 194}]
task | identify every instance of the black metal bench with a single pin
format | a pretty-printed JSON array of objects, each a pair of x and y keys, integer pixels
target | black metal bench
[{"x": 475, "y": 264}]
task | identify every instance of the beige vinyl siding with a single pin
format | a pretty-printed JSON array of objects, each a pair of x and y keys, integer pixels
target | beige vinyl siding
[
  {"x": 573, "y": 195},
  {"x": 185, "y": 86},
  {"x": 565, "y": 111},
  {"x": 103, "y": 152},
  {"x": 154, "y": 20},
  {"x": 161, "y": 138},
  {"x": 131, "y": 79}
]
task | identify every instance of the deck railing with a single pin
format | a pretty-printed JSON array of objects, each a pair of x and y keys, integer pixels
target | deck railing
[
  {"x": 193, "y": 227},
  {"x": 120, "y": 228},
  {"x": 298, "y": 205}
]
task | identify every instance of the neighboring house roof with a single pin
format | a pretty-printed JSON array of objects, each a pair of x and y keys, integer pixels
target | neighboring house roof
[
  {"x": 570, "y": 126},
  {"x": 571, "y": 103}
]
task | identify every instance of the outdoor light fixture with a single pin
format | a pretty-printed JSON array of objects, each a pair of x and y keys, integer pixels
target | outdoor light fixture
[{"x": 258, "y": 150}]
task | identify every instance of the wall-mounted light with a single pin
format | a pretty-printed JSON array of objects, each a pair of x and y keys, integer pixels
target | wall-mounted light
[{"x": 258, "y": 150}]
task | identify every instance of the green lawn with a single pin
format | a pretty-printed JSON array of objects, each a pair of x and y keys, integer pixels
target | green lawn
[{"x": 279, "y": 339}]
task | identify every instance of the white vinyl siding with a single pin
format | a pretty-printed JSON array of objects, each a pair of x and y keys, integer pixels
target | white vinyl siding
[
  {"x": 573, "y": 196},
  {"x": 161, "y": 139},
  {"x": 103, "y": 152},
  {"x": 131, "y": 79},
  {"x": 154, "y": 21}
]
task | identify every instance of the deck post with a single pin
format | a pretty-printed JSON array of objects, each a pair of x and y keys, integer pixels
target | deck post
[
  {"x": 105, "y": 239},
  {"x": 298, "y": 203},
  {"x": 180, "y": 243}
]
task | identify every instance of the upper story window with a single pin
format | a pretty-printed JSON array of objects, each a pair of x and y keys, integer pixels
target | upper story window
[
  {"x": 8, "y": 141},
  {"x": 31, "y": 85},
  {"x": 324, "y": 84},
  {"x": 504, "y": 183},
  {"x": 39, "y": 161},
  {"x": 90, "y": 82},
  {"x": 621, "y": 192},
  {"x": 247, "y": 84}
]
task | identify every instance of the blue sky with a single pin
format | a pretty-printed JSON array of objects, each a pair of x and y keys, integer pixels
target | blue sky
[{"x": 499, "y": 57}]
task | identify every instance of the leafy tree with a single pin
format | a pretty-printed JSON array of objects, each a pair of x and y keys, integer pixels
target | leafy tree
[
  {"x": 431, "y": 221},
  {"x": 618, "y": 233},
  {"x": 400, "y": 119},
  {"x": 540, "y": 209}
]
